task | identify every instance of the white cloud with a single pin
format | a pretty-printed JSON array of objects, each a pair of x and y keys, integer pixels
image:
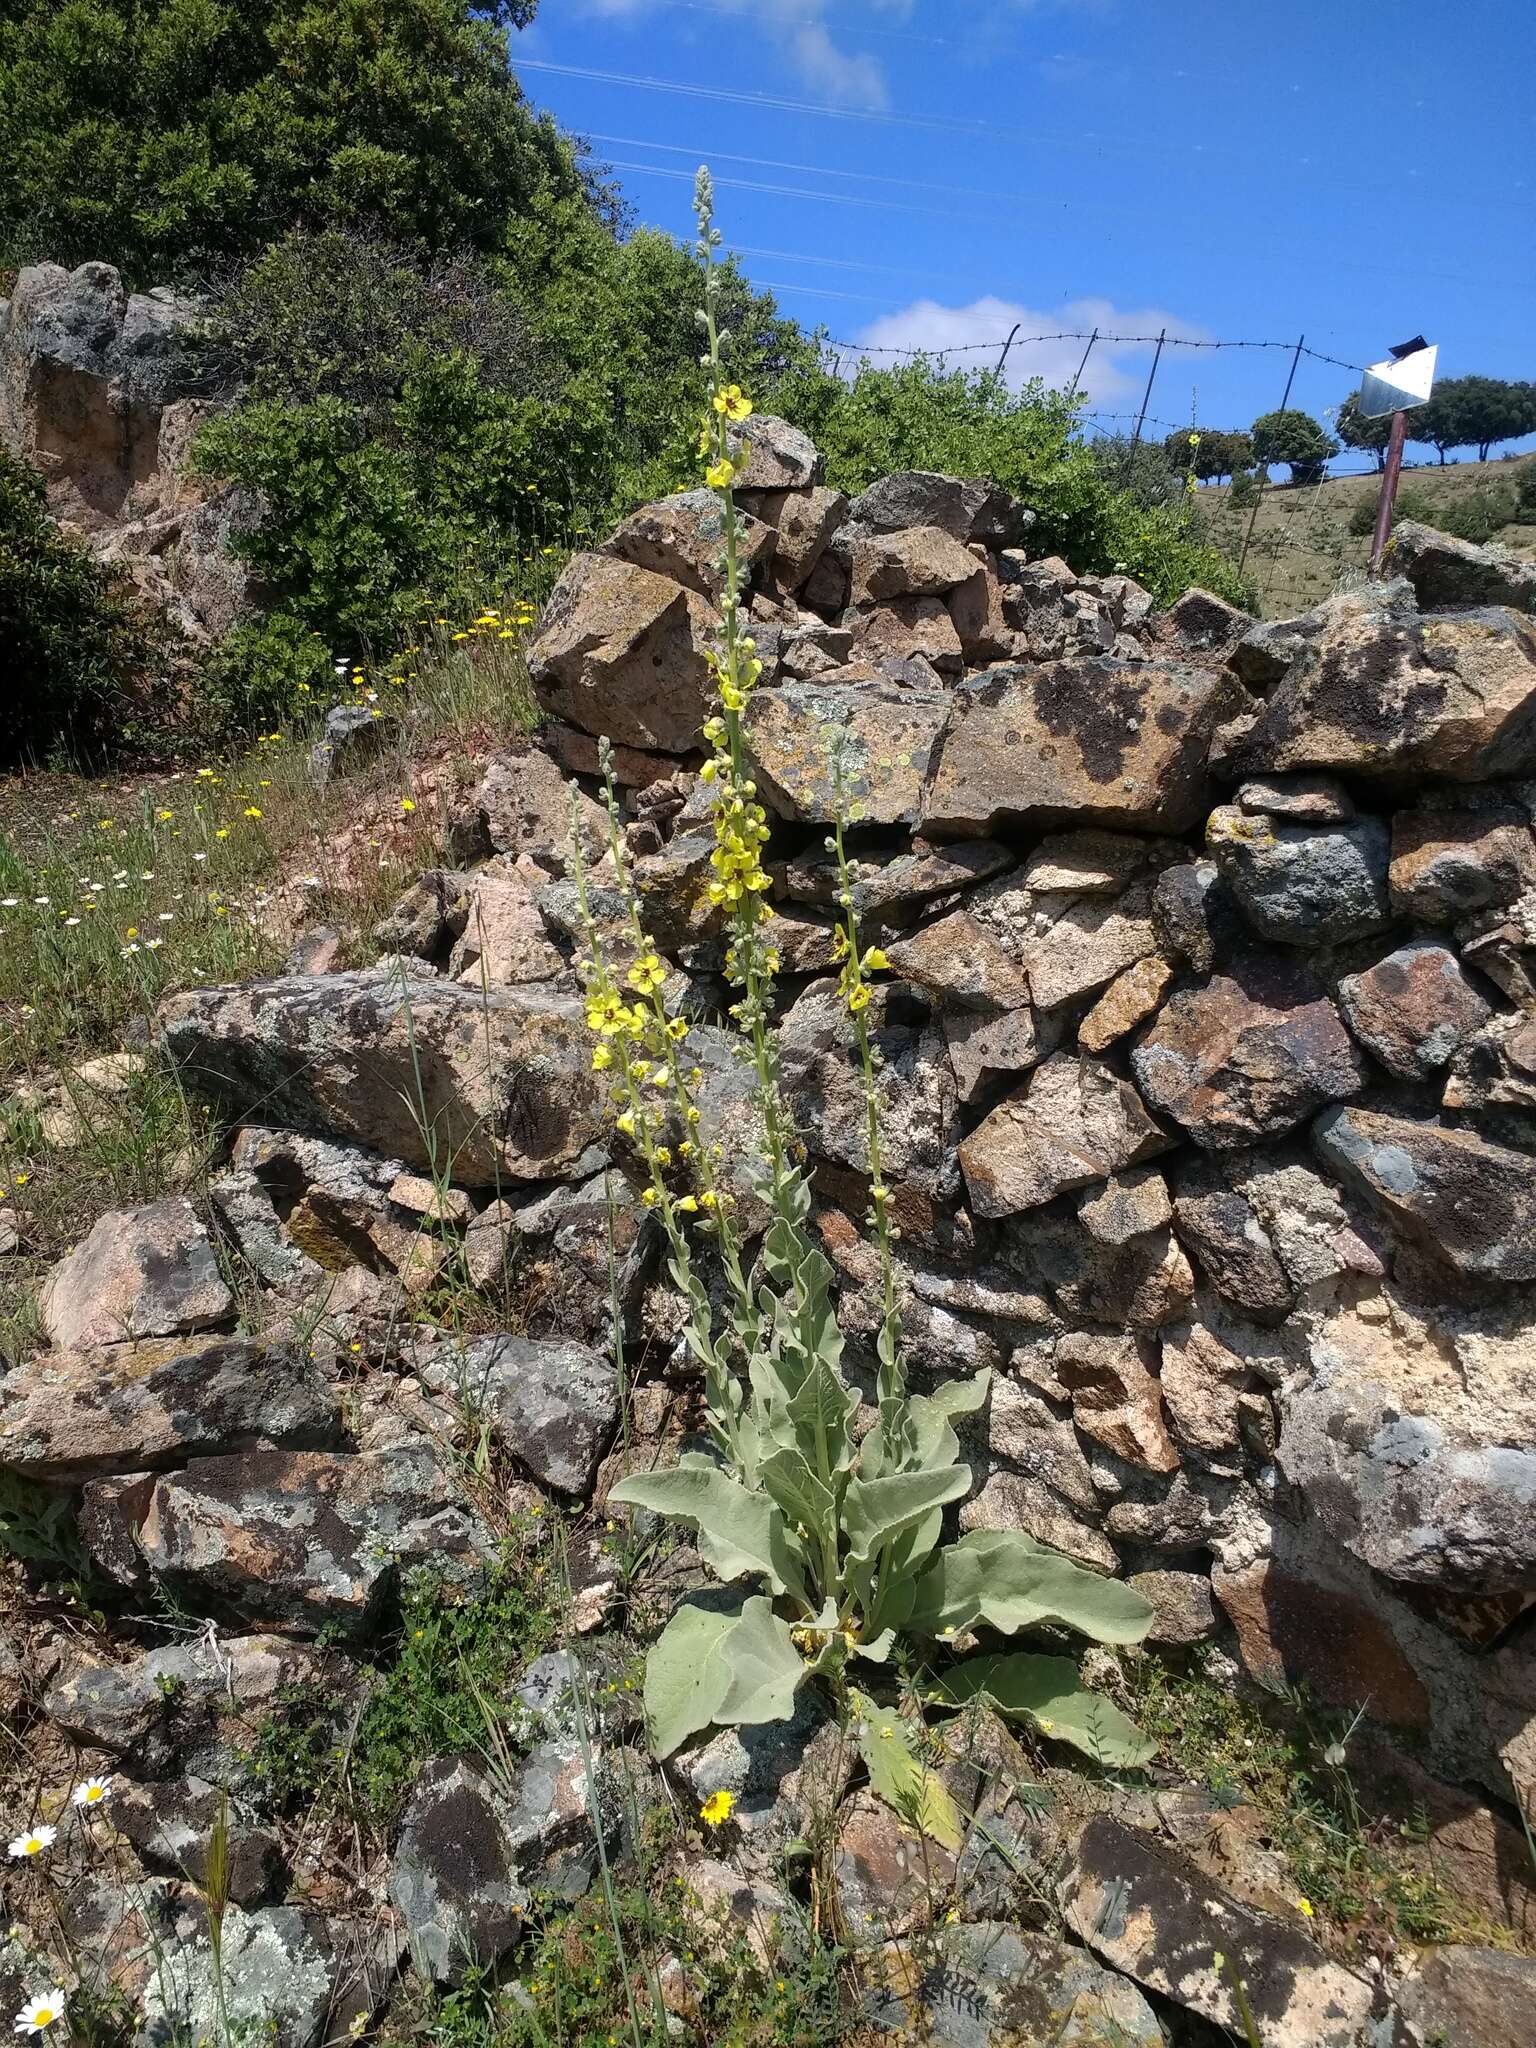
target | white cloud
[
  {"x": 1115, "y": 372},
  {"x": 799, "y": 27}
]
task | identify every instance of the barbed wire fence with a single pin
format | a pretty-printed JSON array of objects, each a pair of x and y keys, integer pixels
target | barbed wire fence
[{"x": 1304, "y": 545}]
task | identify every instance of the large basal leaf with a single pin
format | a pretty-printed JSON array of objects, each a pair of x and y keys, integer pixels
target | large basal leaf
[
  {"x": 1046, "y": 1692},
  {"x": 765, "y": 1668},
  {"x": 798, "y": 1493},
  {"x": 685, "y": 1678},
  {"x": 1004, "y": 1578},
  {"x": 739, "y": 1531},
  {"x": 898, "y": 1775},
  {"x": 874, "y": 1510}
]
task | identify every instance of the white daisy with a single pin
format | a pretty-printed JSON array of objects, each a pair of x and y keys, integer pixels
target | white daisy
[
  {"x": 34, "y": 1841},
  {"x": 41, "y": 2012},
  {"x": 91, "y": 1792}
]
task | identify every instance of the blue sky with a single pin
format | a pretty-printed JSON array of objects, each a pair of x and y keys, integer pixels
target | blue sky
[{"x": 934, "y": 171}]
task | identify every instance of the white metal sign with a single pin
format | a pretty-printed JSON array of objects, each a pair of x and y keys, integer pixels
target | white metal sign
[{"x": 1399, "y": 383}]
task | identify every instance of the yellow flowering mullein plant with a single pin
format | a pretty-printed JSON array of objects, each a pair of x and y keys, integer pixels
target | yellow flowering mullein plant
[{"x": 833, "y": 1533}]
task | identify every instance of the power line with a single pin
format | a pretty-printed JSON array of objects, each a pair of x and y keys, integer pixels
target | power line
[
  {"x": 792, "y": 191},
  {"x": 774, "y": 163}
]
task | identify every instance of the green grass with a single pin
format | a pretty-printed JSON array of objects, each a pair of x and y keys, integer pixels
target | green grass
[{"x": 1366, "y": 1876}]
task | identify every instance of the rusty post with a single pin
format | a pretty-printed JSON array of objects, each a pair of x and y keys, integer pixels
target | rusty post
[{"x": 1388, "y": 498}]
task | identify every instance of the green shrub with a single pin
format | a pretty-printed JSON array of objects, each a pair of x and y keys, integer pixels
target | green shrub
[
  {"x": 78, "y": 648},
  {"x": 1476, "y": 515},
  {"x": 258, "y": 676}
]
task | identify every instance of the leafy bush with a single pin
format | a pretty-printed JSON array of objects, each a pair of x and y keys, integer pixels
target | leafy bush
[
  {"x": 78, "y": 648},
  {"x": 172, "y": 135},
  {"x": 1476, "y": 515},
  {"x": 259, "y": 674},
  {"x": 1296, "y": 439}
]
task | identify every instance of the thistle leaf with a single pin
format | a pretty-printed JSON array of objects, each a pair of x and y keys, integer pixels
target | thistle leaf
[
  {"x": 1004, "y": 1578},
  {"x": 1046, "y": 1692},
  {"x": 898, "y": 1775}
]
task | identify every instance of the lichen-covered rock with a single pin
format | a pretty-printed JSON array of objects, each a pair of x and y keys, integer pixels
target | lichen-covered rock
[
  {"x": 823, "y": 1084},
  {"x": 1471, "y": 1994},
  {"x": 893, "y": 889},
  {"x": 1096, "y": 741},
  {"x": 1115, "y": 1398},
  {"x": 305, "y": 1537},
  {"x": 886, "y": 1874},
  {"x": 1291, "y": 1627},
  {"x": 1386, "y": 698},
  {"x": 1153, "y": 1914},
  {"x": 171, "y": 1823},
  {"x": 1302, "y": 884},
  {"x": 803, "y": 522},
  {"x": 554, "y": 1404},
  {"x": 1250, "y": 1055},
  {"x": 779, "y": 457},
  {"x": 499, "y": 1082},
  {"x": 1195, "y": 914},
  {"x": 147, "y": 1272},
  {"x": 916, "y": 561},
  {"x": 1414, "y": 1441},
  {"x": 1183, "y": 1612},
  {"x": 683, "y": 538},
  {"x": 1449, "y": 864},
  {"x": 70, "y": 1415},
  {"x": 957, "y": 959},
  {"x": 1130, "y": 999},
  {"x": 1413, "y": 1009},
  {"x": 453, "y": 1880},
  {"x": 966, "y": 508},
  {"x": 994, "y": 1983},
  {"x": 523, "y": 805},
  {"x": 1220, "y": 1227},
  {"x": 886, "y": 733},
  {"x": 1453, "y": 575},
  {"x": 1462, "y": 1202},
  {"x": 620, "y": 653},
  {"x": 272, "y": 1976},
  {"x": 1074, "y": 1122}
]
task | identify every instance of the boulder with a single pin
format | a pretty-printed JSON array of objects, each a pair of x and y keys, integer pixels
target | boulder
[
  {"x": 1413, "y": 1009},
  {"x": 1250, "y": 1055},
  {"x": 1074, "y": 1122},
  {"x": 499, "y": 1081},
  {"x": 1151, "y": 1913},
  {"x": 804, "y": 521},
  {"x": 172, "y": 1825},
  {"x": 1115, "y": 1398},
  {"x": 907, "y": 639},
  {"x": 351, "y": 737},
  {"x": 1388, "y": 698},
  {"x": 966, "y": 508},
  {"x": 1292, "y": 1628},
  {"x": 312, "y": 1539},
  {"x": 917, "y": 561},
  {"x": 1204, "y": 622},
  {"x": 523, "y": 806},
  {"x": 958, "y": 960},
  {"x": 1450, "y": 864},
  {"x": 1451, "y": 575},
  {"x": 1220, "y": 1227},
  {"x": 71, "y": 1415},
  {"x": 1466, "y": 1205},
  {"x": 886, "y": 735},
  {"x": 1096, "y": 741},
  {"x": 683, "y": 538},
  {"x": 1183, "y": 1612},
  {"x": 1413, "y": 1441},
  {"x": 1195, "y": 915},
  {"x": 148, "y": 1272},
  {"x": 555, "y": 1405},
  {"x": 779, "y": 457},
  {"x": 989, "y": 1983},
  {"x": 621, "y": 652},
  {"x": 504, "y": 943},
  {"x": 1204, "y": 1389},
  {"x": 1470, "y": 1994},
  {"x": 1302, "y": 884},
  {"x": 272, "y": 1977},
  {"x": 453, "y": 1880}
]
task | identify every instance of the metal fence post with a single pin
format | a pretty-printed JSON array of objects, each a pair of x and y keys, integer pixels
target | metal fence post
[
  {"x": 1078, "y": 374},
  {"x": 1146, "y": 400}
]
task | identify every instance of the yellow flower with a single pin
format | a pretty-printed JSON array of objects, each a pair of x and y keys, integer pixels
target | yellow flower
[
  {"x": 407, "y": 803},
  {"x": 688, "y": 1203},
  {"x": 1305, "y": 1906},
  {"x": 875, "y": 961},
  {"x": 647, "y": 974},
  {"x": 717, "y": 1808},
  {"x": 720, "y": 475},
  {"x": 858, "y": 998},
  {"x": 602, "y": 1058},
  {"x": 251, "y": 811},
  {"x": 732, "y": 403},
  {"x": 648, "y": 1198}
]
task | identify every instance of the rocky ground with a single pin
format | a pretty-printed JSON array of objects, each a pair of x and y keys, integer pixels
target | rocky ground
[{"x": 1209, "y": 1074}]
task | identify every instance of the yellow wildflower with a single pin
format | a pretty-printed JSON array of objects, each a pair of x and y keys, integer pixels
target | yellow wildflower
[
  {"x": 647, "y": 974},
  {"x": 732, "y": 403},
  {"x": 717, "y": 1809},
  {"x": 720, "y": 475}
]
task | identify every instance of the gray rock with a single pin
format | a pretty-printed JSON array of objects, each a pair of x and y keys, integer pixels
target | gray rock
[
  {"x": 272, "y": 1976},
  {"x": 1183, "y": 1612},
  {"x": 147, "y": 1272},
  {"x": 892, "y": 889},
  {"x": 1204, "y": 622},
  {"x": 1449, "y": 864},
  {"x": 1459, "y": 1993},
  {"x": 1450, "y": 575},
  {"x": 1303, "y": 884},
  {"x": 966, "y": 508},
  {"x": 453, "y": 1878},
  {"x": 171, "y": 1824},
  {"x": 1195, "y": 914},
  {"x": 555, "y": 1405},
  {"x": 1074, "y": 1122},
  {"x": 524, "y": 805},
  {"x": 780, "y": 457},
  {"x": 683, "y": 537},
  {"x": 507, "y": 1072},
  {"x": 306, "y": 1537},
  {"x": 887, "y": 736},
  {"x": 1386, "y": 697},
  {"x": 1233, "y": 1248},
  {"x": 621, "y": 651},
  {"x": 353, "y": 735},
  {"x": 1314, "y": 799},
  {"x": 1152, "y": 1914},
  {"x": 957, "y": 959},
  {"x": 1465, "y": 1204},
  {"x": 1250, "y": 1055},
  {"x": 1413, "y": 1009},
  {"x": 70, "y": 1415},
  {"x": 1094, "y": 741},
  {"x": 804, "y": 522},
  {"x": 994, "y": 1983}
]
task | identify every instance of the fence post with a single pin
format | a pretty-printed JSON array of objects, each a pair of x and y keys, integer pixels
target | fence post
[
  {"x": 1146, "y": 400},
  {"x": 1002, "y": 360},
  {"x": 1285, "y": 399},
  {"x": 1078, "y": 373}
]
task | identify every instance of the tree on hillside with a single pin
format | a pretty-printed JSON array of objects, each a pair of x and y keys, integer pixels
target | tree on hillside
[
  {"x": 1356, "y": 431},
  {"x": 1296, "y": 439},
  {"x": 1474, "y": 412},
  {"x": 170, "y": 136},
  {"x": 1209, "y": 453}
]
